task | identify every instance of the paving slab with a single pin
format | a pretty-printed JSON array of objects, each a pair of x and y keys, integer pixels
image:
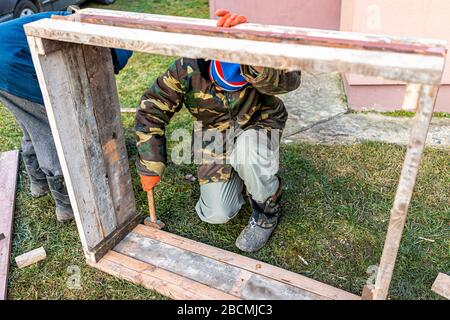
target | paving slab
[
  {"x": 357, "y": 128},
  {"x": 320, "y": 98}
]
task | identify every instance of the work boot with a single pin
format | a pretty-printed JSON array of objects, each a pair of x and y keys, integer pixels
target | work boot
[
  {"x": 38, "y": 188},
  {"x": 38, "y": 180},
  {"x": 58, "y": 189},
  {"x": 263, "y": 221}
]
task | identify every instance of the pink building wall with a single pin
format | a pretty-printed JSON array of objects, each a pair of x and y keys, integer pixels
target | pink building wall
[
  {"x": 418, "y": 18},
  {"x": 421, "y": 18},
  {"x": 319, "y": 14}
]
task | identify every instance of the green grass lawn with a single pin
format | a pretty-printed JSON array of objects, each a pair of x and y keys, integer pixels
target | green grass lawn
[{"x": 336, "y": 207}]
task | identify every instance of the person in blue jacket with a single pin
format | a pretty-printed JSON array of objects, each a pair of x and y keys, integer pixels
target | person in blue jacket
[{"x": 20, "y": 93}]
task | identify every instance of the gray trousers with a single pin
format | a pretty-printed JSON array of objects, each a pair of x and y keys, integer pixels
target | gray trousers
[
  {"x": 255, "y": 162},
  {"x": 38, "y": 149}
]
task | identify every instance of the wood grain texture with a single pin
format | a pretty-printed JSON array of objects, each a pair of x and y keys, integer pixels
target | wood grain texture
[
  {"x": 414, "y": 68},
  {"x": 411, "y": 100},
  {"x": 151, "y": 18},
  {"x": 151, "y": 206},
  {"x": 215, "y": 274},
  {"x": 30, "y": 257},
  {"x": 65, "y": 87},
  {"x": 80, "y": 93},
  {"x": 154, "y": 278},
  {"x": 293, "y": 37},
  {"x": 441, "y": 285},
  {"x": 106, "y": 107},
  {"x": 248, "y": 264},
  {"x": 222, "y": 270},
  {"x": 9, "y": 164}
]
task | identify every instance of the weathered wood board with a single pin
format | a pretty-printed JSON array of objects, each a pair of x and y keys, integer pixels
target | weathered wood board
[
  {"x": 154, "y": 278},
  {"x": 80, "y": 93},
  {"x": 139, "y": 18},
  {"x": 108, "y": 117},
  {"x": 409, "y": 67},
  {"x": 248, "y": 31},
  {"x": 230, "y": 274},
  {"x": 9, "y": 165}
]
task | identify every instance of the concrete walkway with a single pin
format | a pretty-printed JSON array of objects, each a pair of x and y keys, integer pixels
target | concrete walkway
[{"x": 318, "y": 114}]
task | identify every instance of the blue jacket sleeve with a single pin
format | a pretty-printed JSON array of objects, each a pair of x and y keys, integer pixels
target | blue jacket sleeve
[
  {"x": 120, "y": 58},
  {"x": 17, "y": 73}
]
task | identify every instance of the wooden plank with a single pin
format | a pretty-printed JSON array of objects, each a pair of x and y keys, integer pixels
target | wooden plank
[
  {"x": 441, "y": 285},
  {"x": 65, "y": 88},
  {"x": 154, "y": 278},
  {"x": 414, "y": 68},
  {"x": 246, "y": 263},
  {"x": 266, "y": 28},
  {"x": 399, "y": 212},
  {"x": 297, "y": 37},
  {"x": 30, "y": 257},
  {"x": 105, "y": 103},
  {"x": 209, "y": 271},
  {"x": 9, "y": 164},
  {"x": 79, "y": 91}
]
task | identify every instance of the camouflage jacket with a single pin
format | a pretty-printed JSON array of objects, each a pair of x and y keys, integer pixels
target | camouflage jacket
[{"x": 187, "y": 82}]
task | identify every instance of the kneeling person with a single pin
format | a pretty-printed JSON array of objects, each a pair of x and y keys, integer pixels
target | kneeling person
[{"x": 236, "y": 102}]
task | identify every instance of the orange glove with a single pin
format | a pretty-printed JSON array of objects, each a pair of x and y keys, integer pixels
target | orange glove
[
  {"x": 228, "y": 20},
  {"x": 149, "y": 182}
]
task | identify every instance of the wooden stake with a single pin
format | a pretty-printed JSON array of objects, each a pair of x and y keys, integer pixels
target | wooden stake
[{"x": 151, "y": 206}]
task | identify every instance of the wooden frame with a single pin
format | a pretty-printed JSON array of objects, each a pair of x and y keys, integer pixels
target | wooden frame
[{"x": 74, "y": 69}]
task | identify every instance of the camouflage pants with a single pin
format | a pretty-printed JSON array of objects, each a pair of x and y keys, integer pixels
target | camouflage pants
[{"x": 255, "y": 163}]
